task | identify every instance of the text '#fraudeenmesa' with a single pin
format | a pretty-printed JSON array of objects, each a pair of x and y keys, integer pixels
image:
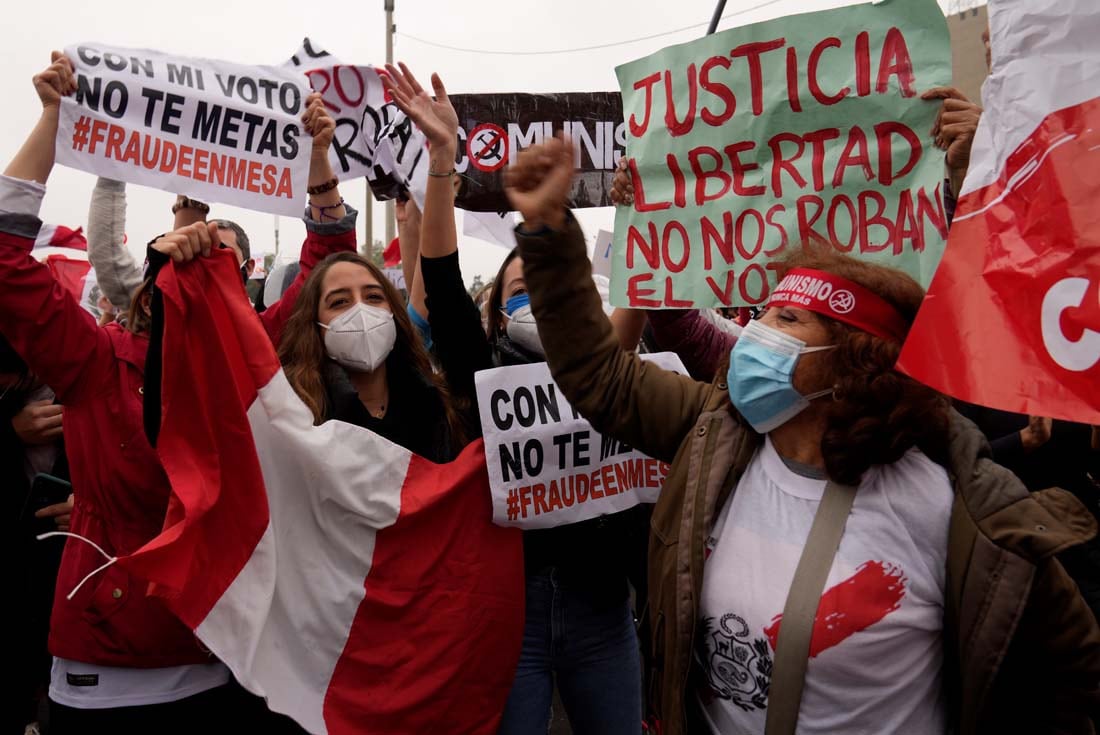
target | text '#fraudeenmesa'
[
  {"x": 577, "y": 489},
  {"x": 110, "y": 141}
]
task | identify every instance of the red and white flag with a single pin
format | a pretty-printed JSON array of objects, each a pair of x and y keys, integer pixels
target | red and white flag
[
  {"x": 356, "y": 586},
  {"x": 1012, "y": 317},
  {"x": 60, "y": 236}
]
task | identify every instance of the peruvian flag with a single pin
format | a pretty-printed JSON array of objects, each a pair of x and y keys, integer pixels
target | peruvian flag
[
  {"x": 60, "y": 236},
  {"x": 356, "y": 586},
  {"x": 1012, "y": 317}
]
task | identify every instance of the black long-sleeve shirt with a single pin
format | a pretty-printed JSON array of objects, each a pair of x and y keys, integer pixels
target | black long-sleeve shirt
[{"x": 459, "y": 341}]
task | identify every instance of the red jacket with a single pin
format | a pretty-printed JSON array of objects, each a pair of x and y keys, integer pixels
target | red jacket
[{"x": 121, "y": 491}]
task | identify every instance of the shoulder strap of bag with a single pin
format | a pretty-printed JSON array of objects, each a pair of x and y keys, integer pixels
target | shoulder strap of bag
[{"x": 792, "y": 650}]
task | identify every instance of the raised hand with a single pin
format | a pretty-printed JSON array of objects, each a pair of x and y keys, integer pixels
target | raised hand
[
  {"x": 56, "y": 81},
  {"x": 622, "y": 188},
  {"x": 406, "y": 212},
  {"x": 955, "y": 125},
  {"x": 188, "y": 242},
  {"x": 318, "y": 122},
  {"x": 538, "y": 184},
  {"x": 435, "y": 117}
]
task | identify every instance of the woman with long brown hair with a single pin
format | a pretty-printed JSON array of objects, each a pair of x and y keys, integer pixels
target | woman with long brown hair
[
  {"x": 352, "y": 353},
  {"x": 833, "y": 549}
]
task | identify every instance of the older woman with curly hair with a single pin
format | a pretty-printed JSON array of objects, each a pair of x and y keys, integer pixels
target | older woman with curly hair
[{"x": 944, "y": 607}]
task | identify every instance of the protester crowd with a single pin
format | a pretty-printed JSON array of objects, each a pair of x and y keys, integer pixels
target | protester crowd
[{"x": 985, "y": 620}]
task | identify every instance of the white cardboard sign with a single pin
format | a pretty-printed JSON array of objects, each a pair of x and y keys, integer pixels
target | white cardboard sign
[{"x": 547, "y": 465}]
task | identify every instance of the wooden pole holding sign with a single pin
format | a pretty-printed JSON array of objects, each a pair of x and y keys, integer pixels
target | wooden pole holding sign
[{"x": 390, "y": 213}]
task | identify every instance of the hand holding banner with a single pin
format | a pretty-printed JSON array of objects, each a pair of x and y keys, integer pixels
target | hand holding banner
[
  {"x": 376, "y": 140},
  {"x": 211, "y": 129},
  {"x": 373, "y": 138},
  {"x": 755, "y": 140}
]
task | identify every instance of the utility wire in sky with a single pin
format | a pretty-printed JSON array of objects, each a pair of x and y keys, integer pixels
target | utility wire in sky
[{"x": 496, "y": 52}]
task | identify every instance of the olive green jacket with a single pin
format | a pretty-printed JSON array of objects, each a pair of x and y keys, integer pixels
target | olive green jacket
[{"x": 1022, "y": 647}]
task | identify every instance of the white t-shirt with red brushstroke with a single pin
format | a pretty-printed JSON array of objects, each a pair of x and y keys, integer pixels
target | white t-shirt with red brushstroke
[{"x": 876, "y": 652}]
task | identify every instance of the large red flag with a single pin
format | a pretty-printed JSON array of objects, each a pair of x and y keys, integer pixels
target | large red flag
[
  {"x": 1012, "y": 317},
  {"x": 358, "y": 587}
]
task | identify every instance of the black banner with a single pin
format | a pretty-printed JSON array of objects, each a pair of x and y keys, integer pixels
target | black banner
[{"x": 494, "y": 128}]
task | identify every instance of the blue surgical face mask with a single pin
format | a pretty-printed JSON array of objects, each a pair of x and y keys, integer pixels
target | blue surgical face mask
[
  {"x": 521, "y": 327},
  {"x": 517, "y": 302},
  {"x": 761, "y": 376}
]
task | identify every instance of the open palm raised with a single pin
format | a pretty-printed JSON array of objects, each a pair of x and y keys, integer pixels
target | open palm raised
[{"x": 435, "y": 117}]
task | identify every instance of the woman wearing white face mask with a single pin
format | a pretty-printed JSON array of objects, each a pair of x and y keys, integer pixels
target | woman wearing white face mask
[
  {"x": 833, "y": 550},
  {"x": 352, "y": 354}
]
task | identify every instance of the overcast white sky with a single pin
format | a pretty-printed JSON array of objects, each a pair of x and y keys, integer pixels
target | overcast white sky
[{"x": 267, "y": 32}]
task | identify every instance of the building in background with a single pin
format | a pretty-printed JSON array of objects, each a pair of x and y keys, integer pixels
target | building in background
[{"x": 966, "y": 20}]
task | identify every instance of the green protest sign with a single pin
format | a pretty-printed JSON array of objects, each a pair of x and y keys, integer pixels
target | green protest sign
[{"x": 750, "y": 142}]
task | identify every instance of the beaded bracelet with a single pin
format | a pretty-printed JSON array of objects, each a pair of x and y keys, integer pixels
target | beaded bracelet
[{"x": 322, "y": 188}]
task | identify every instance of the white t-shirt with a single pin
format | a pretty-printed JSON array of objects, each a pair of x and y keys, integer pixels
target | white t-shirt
[
  {"x": 87, "y": 686},
  {"x": 876, "y": 651}
]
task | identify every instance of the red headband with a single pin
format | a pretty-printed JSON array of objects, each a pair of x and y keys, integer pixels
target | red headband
[{"x": 840, "y": 299}]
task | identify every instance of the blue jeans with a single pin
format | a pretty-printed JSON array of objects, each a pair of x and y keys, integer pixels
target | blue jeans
[{"x": 587, "y": 641}]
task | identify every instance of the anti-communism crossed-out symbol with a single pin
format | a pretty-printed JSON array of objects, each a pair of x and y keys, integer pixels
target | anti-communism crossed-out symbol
[
  {"x": 487, "y": 146},
  {"x": 842, "y": 301}
]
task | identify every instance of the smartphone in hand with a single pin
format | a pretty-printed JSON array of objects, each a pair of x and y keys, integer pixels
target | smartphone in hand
[{"x": 46, "y": 490}]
